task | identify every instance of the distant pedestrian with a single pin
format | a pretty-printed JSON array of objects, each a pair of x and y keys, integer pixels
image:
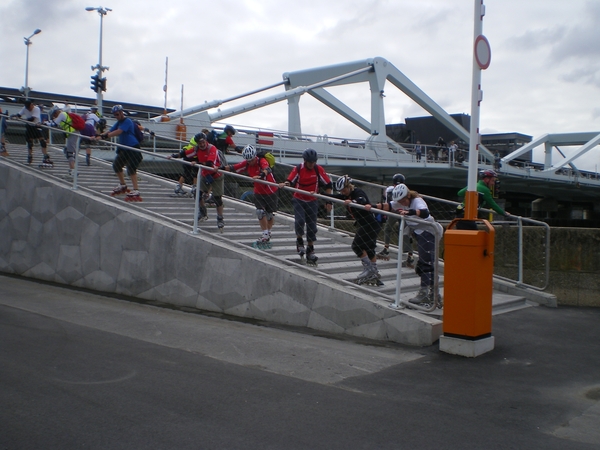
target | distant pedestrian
[
  {"x": 452, "y": 152},
  {"x": 418, "y": 151},
  {"x": 3, "y": 151},
  {"x": 497, "y": 161},
  {"x": 125, "y": 157},
  {"x": 266, "y": 197},
  {"x": 32, "y": 114},
  {"x": 309, "y": 177}
]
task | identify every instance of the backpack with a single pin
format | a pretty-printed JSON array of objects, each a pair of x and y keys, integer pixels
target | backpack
[
  {"x": 137, "y": 132},
  {"x": 77, "y": 121},
  {"x": 212, "y": 137},
  {"x": 222, "y": 159},
  {"x": 262, "y": 153}
]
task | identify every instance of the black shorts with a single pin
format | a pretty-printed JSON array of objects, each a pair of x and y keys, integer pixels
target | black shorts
[
  {"x": 32, "y": 132},
  {"x": 127, "y": 158},
  {"x": 266, "y": 202}
]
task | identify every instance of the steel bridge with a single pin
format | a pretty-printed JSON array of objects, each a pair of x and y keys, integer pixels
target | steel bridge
[{"x": 377, "y": 157}]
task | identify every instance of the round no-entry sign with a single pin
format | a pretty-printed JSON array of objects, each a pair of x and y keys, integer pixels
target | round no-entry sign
[{"x": 483, "y": 52}]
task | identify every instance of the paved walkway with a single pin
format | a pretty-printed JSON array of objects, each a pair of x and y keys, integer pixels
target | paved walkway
[{"x": 83, "y": 370}]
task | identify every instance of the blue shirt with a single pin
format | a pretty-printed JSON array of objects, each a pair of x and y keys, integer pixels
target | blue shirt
[{"x": 126, "y": 137}]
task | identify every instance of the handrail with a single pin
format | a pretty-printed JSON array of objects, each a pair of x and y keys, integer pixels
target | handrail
[{"x": 520, "y": 221}]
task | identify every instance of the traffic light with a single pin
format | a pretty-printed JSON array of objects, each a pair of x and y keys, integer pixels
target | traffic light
[
  {"x": 95, "y": 83},
  {"x": 102, "y": 84}
]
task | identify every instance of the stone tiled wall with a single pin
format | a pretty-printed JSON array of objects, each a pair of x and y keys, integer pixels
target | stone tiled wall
[
  {"x": 574, "y": 262},
  {"x": 52, "y": 233}
]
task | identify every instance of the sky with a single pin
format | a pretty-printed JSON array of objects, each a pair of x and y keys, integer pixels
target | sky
[{"x": 544, "y": 75}]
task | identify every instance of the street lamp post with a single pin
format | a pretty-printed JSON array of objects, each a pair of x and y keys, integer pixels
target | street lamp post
[
  {"x": 25, "y": 89},
  {"x": 99, "y": 85}
]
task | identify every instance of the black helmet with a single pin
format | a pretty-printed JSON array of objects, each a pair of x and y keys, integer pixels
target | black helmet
[
  {"x": 229, "y": 128},
  {"x": 310, "y": 155},
  {"x": 398, "y": 178},
  {"x": 199, "y": 137}
]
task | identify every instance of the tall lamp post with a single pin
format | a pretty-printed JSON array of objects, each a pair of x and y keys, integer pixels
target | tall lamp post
[
  {"x": 98, "y": 82},
  {"x": 25, "y": 89}
]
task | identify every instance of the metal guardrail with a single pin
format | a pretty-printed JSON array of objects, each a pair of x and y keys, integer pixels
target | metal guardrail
[{"x": 443, "y": 211}]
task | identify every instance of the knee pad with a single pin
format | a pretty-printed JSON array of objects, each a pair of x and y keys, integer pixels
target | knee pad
[
  {"x": 218, "y": 200},
  {"x": 370, "y": 254},
  {"x": 260, "y": 213},
  {"x": 43, "y": 143},
  {"x": 270, "y": 216},
  {"x": 357, "y": 250},
  {"x": 116, "y": 168}
]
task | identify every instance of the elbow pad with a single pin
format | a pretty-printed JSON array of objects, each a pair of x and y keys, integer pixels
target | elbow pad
[{"x": 423, "y": 213}]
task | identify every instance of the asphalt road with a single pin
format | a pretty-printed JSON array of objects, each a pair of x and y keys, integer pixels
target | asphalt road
[{"x": 79, "y": 370}]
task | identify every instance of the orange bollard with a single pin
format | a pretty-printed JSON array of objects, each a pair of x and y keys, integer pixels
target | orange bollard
[{"x": 468, "y": 286}]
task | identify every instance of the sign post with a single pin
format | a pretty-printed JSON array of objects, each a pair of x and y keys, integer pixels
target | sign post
[{"x": 469, "y": 242}]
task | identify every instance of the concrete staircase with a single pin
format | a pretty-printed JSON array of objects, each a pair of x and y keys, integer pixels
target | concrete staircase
[{"x": 337, "y": 263}]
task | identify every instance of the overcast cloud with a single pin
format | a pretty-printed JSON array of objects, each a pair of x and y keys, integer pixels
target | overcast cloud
[{"x": 544, "y": 76}]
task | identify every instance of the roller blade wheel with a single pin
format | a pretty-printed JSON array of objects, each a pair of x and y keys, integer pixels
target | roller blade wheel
[
  {"x": 133, "y": 198},
  {"x": 369, "y": 281},
  {"x": 311, "y": 259},
  {"x": 262, "y": 245}
]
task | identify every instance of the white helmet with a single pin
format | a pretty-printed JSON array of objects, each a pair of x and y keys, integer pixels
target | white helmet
[
  {"x": 342, "y": 182},
  {"x": 400, "y": 191},
  {"x": 249, "y": 152},
  {"x": 53, "y": 111}
]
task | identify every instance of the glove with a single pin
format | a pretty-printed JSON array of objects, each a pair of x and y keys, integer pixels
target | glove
[
  {"x": 208, "y": 179},
  {"x": 104, "y": 136}
]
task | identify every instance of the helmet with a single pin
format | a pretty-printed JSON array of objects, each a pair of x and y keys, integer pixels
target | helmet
[
  {"x": 229, "y": 128},
  {"x": 116, "y": 109},
  {"x": 310, "y": 155},
  {"x": 199, "y": 137},
  {"x": 400, "y": 191},
  {"x": 488, "y": 173},
  {"x": 342, "y": 182},
  {"x": 398, "y": 178},
  {"x": 53, "y": 111},
  {"x": 249, "y": 152},
  {"x": 93, "y": 108}
]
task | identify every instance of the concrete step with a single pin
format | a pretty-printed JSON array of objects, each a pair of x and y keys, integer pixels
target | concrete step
[{"x": 336, "y": 259}]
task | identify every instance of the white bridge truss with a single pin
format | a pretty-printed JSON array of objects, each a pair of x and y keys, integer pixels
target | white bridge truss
[{"x": 378, "y": 149}]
